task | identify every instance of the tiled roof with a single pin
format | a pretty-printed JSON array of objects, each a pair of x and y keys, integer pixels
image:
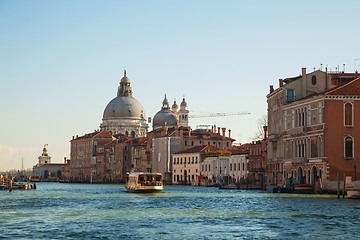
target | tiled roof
[
  {"x": 103, "y": 134},
  {"x": 351, "y": 88},
  {"x": 202, "y": 148}
]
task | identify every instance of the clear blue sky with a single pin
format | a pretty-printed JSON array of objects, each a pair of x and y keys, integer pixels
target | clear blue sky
[{"x": 61, "y": 61}]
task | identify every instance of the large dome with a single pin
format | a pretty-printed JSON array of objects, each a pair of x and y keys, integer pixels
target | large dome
[
  {"x": 124, "y": 107},
  {"x": 124, "y": 114}
]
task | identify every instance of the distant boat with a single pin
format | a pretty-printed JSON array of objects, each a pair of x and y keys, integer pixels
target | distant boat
[
  {"x": 303, "y": 188},
  {"x": 353, "y": 192},
  {"x": 229, "y": 186},
  {"x": 35, "y": 179},
  {"x": 142, "y": 182}
]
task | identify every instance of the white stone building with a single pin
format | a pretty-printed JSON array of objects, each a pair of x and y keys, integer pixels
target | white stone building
[
  {"x": 225, "y": 169},
  {"x": 124, "y": 114}
]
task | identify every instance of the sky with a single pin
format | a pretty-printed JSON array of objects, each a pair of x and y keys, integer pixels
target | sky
[{"x": 61, "y": 61}]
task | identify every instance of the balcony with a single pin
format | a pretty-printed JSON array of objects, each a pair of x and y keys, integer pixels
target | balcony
[
  {"x": 295, "y": 160},
  {"x": 298, "y": 131},
  {"x": 273, "y": 137}
]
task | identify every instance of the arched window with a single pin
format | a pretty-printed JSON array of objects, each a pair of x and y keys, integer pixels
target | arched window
[
  {"x": 348, "y": 114},
  {"x": 133, "y": 134},
  {"x": 349, "y": 143},
  {"x": 313, "y": 80}
]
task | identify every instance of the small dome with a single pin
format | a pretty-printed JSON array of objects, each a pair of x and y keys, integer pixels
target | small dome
[
  {"x": 164, "y": 117},
  {"x": 125, "y": 78},
  {"x": 175, "y": 106},
  {"x": 183, "y": 104}
]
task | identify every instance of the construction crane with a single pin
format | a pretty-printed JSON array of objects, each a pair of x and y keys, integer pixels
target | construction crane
[{"x": 218, "y": 114}]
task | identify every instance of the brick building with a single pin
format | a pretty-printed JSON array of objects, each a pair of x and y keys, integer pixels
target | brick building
[{"x": 306, "y": 117}]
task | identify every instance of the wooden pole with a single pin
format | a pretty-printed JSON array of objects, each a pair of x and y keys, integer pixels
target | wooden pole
[
  {"x": 344, "y": 186},
  {"x": 338, "y": 185}
]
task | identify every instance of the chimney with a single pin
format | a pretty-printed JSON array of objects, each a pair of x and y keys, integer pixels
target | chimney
[
  {"x": 73, "y": 137},
  {"x": 271, "y": 88},
  {"x": 218, "y": 130},
  {"x": 303, "y": 84},
  {"x": 229, "y": 133},
  {"x": 281, "y": 83},
  {"x": 64, "y": 160},
  {"x": 223, "y": 131},
  {"x": 265, "y": 132},
  {"x": 356, "y": 74}
]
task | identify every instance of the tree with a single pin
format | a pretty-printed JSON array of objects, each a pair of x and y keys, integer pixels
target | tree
[{"x": 261, "y": 122}]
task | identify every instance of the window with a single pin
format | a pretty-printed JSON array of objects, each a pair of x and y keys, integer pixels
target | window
[
  {"x": 348, "y": 114},
  {"x": 196, "y": 159},
  {"x": 189, "y": 160},
  {"x": 192, "y": 160},
  {"x": 309, "y": 116},
  {"x": 209, "y": 167},
  {"x": 185, "y": 143},
  {"x": 320, "y": 113},
  {"x": 180, "y": 160},
  {"x": 192, "y": 143},
  {"x": 230, "y": 166},
  {"x": 284, "y": 120},
  {"x": 290, "y": 95},
  {"x": 313, "y": 80},
  {"x": 349, "y": 147},
  {"x": 293, "y": 118}
]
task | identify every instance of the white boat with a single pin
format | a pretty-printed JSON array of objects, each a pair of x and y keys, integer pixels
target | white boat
[
  {"x": 353, "y": 192},
  {"x": 142, "y": 182}
]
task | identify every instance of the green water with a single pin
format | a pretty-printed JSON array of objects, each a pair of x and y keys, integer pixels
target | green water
[{"x": 79, "y": 211}]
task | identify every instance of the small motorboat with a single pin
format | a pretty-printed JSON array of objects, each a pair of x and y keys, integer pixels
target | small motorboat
[{"x": 353, "y": 192}]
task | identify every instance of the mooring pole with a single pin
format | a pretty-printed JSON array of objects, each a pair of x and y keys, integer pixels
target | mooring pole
[
  {"x": 338, "y": 185},
  {"x": 344, "y": 186}
]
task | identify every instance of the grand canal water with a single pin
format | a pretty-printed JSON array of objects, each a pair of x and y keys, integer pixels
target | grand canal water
[{"x": 79, "y": 211}]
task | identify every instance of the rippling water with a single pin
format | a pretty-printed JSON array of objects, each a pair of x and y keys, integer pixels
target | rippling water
[{"x": 79, "y": 211}]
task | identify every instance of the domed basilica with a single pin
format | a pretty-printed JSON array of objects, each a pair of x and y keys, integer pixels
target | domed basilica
[
  {"x": 171, "y": 117},
  {"x": 124, "y": 114}
]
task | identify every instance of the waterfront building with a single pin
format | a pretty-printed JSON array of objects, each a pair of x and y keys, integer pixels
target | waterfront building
[
  {"x": 124, "y": 114},
  {"x": 299, "y": 120},
  {"x": 168, "y": 140},
  {"x": 186, "y": 164},
  {"x": 257, "y": 161},
  {"x": 84, "y": 150},
  {"x": 46, "y": 170},
  {"x": 225, "y": 169}
]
